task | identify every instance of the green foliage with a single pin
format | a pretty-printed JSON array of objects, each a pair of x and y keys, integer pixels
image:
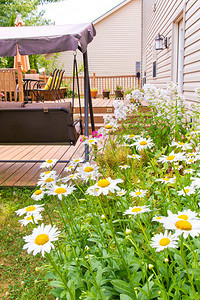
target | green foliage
[{"x": 49, "y": 64}]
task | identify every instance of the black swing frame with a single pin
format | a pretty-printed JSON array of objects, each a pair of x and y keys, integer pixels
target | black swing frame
[{"x": 87, "y": 108}]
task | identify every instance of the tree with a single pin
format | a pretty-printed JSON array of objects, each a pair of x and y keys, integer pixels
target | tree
[{"x": 26, "y": 8}]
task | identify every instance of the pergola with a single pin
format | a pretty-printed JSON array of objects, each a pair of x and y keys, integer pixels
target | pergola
[{"x": 51, "y": 39}]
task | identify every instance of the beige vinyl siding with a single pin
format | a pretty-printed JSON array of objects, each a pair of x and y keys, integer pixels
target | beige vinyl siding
[
  {"x": 163, "y": 20},
  {"x": 117, "y": 45}
]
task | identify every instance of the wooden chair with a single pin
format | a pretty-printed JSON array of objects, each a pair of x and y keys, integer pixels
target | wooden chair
[
  {"x": 8, "y": 85},
  {"x": 47, "y": 87},
  {"x": 58, "y": 85}
]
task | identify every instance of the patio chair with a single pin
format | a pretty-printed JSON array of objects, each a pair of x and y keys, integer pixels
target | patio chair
[
  {"x": 58, "y": 84},
  {"x": 8, "y": 85},
  {"x": 47, "y": 87},
  {"x": 31, "y": 80}
]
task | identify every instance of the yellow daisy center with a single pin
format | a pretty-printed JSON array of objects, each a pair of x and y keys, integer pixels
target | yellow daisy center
[
  {"x": 90, "y": 141},
  {"x": 47, "y": 172},
  {"x": 180, "y": 143},
  {"x": 72, "y": 176},
  {"x": 60, "y": 191},
  {"x": 138, "y": 193},
  {"x": 30, "y": 218},
  {"x": 103, "y": 183},
  {"x": 30, "y": 208},
  {"x": 164, "y": 242},
  {"x": 136, "y": 209},
  {"x": 120, "y": 193},
  {"x": 191, "y": 154},
  {"x": 38, "y": 192},
  {"x": 170, "y": 157},
  {"x": 49, "y": 161},
  {"x": 183, "y": 225},
  {"x": 70, "y": 167},
  {"x": 191, "y": 160},
  {"x": 49, "y": 179},
  {"x": 158, "y": 218},
  {"x": 183, "y": 217},
  {"x": 108, "y": 127},
  {"x": 41, "y": 239},
  {"x": 186, "y": 190},
  {"x": 143, "y": 143},
  {"x": 88, "y": 169},
  {"x": 132, "y": 135},
  {"x": 77, "y": 160},
  {"x": 166, "y": 179}
]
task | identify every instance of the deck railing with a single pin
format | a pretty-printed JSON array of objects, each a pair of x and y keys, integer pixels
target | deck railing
[{"x": 103, "y": 82}]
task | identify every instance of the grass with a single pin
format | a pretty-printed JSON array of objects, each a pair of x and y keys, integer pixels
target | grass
[{"x": 21, "y": 275}]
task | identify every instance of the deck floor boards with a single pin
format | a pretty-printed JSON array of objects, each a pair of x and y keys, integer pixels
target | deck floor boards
[{"x": 22, "y": 174}]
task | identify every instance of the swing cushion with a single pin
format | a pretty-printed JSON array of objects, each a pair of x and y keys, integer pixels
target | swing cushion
[{"x": 38, "y": 123}]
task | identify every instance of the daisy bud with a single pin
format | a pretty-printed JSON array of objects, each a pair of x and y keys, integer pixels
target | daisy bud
[
  {"x": 76, "y": 258},
  {"x": 151, "y": 266},
  {"x": 35, "y": 281},
  {"x": 87, "y": 248},
  {"x": 7, "y": 293},
  {"x": 128, "y": 231},
  {"x": 159, "y": 292},
  {"x": 103, "y": 217},
  {"x": 166, "y": 260},
  {"x": 22, "y": 282},
  {"x": 36, "y": 269}
]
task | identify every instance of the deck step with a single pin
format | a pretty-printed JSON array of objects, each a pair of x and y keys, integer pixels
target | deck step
[{"x": 96, "y": 110}]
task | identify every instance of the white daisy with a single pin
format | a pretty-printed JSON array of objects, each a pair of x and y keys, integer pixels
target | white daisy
[
  {"x": 167, "y": 180},
  {"x": 88, "y": 171},
  {"x": 187, "y": 214},
  {"x": 41, "y": 239},
  {"x": 92, "y": 191},
  {"x": 191, "y": 160},
  {"x": 49, "y": 163},
  {"x": 172, "y": 157},
  {"x": 187, "y": 227},
  {"x": 48, "y": 181},
  {"x": 131, "y": 137},
  {"x": 104, "y": 186},
  {"x": 188, "y": 190},
  {"x": 121, "y": 193},
  {"x": 137, "y": 210},
  {"x": 31, "y": 209},
  {"x": 92, "y": 141},
  {"x": 70, "y": 167},
  {"x": 164, "y": 240},
  {"x": 183, "y": 146},
  {"x": 138, "y": 193},
  {"x": 71, "y": 177},
  {"x": 76, "y": 161},
  {"x": 47, "y": 174},
  {"x": 60, "y": 191},
  {"x": 38, "y": 195},
  {"x": 195, "y": 132},
  {"x": 159, "y": 219},
  {"x": 189, "y": 171},
  {"x": 134, "y": 156},
  {"x": 31, "y": 219},
  {"x": 143, "y": 143},
  {"x": 124, "y": 167}
]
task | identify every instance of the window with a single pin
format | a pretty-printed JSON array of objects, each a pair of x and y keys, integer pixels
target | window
[{"x": 154, "y": 69}]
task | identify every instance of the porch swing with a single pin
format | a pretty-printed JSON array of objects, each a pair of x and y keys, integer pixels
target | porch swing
[{"x": 46, "y": 123}]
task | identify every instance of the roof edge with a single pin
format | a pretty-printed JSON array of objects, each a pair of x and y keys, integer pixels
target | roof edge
[{"x": 109, "y": 12}]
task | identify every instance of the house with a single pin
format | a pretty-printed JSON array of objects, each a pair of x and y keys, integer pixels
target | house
[
  {"x": 116, "y": 49},
  {"x": 178, "y": 23}
]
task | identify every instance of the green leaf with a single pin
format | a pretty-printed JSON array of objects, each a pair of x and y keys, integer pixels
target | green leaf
[
  {"x": 123, "y": 287},
  {"x": 124, "y": 297}
]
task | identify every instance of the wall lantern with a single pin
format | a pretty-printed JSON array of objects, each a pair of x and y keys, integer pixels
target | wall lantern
[{"x": 161, "y": 42}]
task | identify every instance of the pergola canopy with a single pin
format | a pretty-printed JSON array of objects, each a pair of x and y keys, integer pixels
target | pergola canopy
[{"x": 45, "y": 39}]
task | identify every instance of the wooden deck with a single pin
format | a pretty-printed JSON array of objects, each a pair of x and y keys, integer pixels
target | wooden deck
[{"x": 22, "y": 174}]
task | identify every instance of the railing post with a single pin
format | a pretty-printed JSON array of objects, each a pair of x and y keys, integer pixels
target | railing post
[
  {"x": 94, "y": 80},
  {"x": 20, "y": 82},
  {"x": 44, "y": 76}
]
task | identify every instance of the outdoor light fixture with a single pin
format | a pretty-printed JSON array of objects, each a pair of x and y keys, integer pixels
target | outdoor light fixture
[{"x": 161, "y": 42}]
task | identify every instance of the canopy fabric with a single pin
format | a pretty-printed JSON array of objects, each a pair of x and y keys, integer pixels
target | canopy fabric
[{"x": 45, "y": 39}]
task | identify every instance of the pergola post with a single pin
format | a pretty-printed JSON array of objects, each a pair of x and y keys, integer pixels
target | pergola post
[{"x": 87, "y": 102}]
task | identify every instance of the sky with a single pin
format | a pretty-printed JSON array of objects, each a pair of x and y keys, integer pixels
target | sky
[{"x": 77, "y": 11}]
